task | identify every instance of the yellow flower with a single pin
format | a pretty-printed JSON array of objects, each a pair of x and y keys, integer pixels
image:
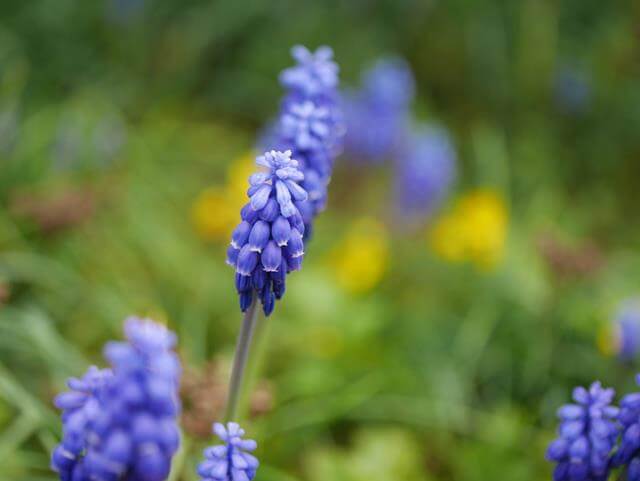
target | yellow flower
[
  {"x": 216, "y": 210},
  {"x": 360, "y": 259},
  {"x": 238, "y": 174},
  {"x": 214, "y": 214},
  {"x": 474, "y": 231},
  {"x": 608, "y": 341}
]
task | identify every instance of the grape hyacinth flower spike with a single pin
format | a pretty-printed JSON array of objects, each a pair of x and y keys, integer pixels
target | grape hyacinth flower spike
[
  {"x": 588, "y": 432},
  {"x": 628, "y": 453},
  {"x": 121, "y": 423},
  {"x": 268, "y": 244},
  {"x": 310, "y": 124},
  {"x": 230, "y": 461}
]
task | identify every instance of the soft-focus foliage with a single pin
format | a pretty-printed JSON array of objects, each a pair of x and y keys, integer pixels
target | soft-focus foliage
[{"x": 115, "y": 115}]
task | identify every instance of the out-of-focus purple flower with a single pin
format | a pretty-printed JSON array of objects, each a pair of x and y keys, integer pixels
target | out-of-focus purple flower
[
  {"x": 377, "y": 115},
  {"x": 267, "y": 244},
  {"x": 315, "y": 75},
  {"x": 230, "y": 461},
  {"x": 627, "y": 330},
  {"x": 389, "y": 84},
  {"x": 122, "y": 423},
  {"x": 572, "y": 90},
  {"x": 425, "y": 171},
  {"x": 310, "y": 124},
  {"x": 587, "y": 436},
  {"x": 628, "y": 453}
]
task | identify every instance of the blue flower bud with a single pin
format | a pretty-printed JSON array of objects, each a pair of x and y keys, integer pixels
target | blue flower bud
[
  {"x": 260, "y": 197},
  {"x": 247, "y": 261},
  {"x": 243, "y": 283},
  {"x": 246, "y": 298},
  {"x": 232, "y": 256},
  {"x": 295, "y": 247},
  {"x": 281, "y": 231},
  {"x": 270, "y": 211},
  {"x": 248, "y": 214},
  {"x": 268, "y": 299},
  {"x": 271, "y": 257},
  {"x": 259, "y": 236},
  {"x": 259, "y": 279},
  {"x": 240, "y": 234}
]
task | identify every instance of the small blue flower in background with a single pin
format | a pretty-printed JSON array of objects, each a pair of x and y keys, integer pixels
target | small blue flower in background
[
  {"x": 377, "y": 115},
  {"x": 628, "y": 453},
  {"x": 572, "y": 90},
  {"x": 389, "y": 84},
  {"x": 310, "y": 125},
  {"x": 425, "y": 171},
  {"x": 229, "y": 461},
  {"x": 121, "y": 423},
  {"x": 315, "y": 75},
  {"x": 587, "y": 435},
  {"x": 268, "y": 244},
  {"x": 627, "y": 326}
]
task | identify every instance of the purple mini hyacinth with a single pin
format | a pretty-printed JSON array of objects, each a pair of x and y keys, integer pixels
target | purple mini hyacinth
[
  {"x": 628, "y": 453},
  {"x": 310, "y": 124},
  {"x": 268, "y": 244},
  {"x": 314, "y": 76},
  {"x": 627, "y": 325},
  {"x": 425, "y": 171},
  {"x": 377, "y": 115},
  {"x": 121, "y": 423},
  {"x": 587, "y": 436},
  {"x": 229, "y": 461}
]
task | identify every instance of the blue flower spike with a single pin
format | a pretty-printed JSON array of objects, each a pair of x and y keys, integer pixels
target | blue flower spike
[
  {"x": 587, "y": 436},
  {"x": 121, "y": 423},
  {"x": 267, "y": 244},
  {"x": 230, "y": 461}
]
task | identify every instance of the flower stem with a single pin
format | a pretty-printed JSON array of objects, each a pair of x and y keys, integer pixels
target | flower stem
[{"x": 240, "y": 359}]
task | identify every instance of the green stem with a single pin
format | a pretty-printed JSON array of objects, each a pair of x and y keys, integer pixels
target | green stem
[{"x": 240, "y": 359}]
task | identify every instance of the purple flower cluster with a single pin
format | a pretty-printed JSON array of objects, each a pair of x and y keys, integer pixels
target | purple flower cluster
[
  {"x": 229, "y": 461},
  {"x": 379, "y": 128},
  {"x": 425, "y": 171},
  {"x": 121, "y": 423},
  {"x": 628, "y": 453},
  {"x": 268, "y": 244},
  {"x": 627, "y": 325},
  {"x": 588, "y": 433},
  {"x": 378, "y": 114},
  {"x": 310, "y": 124}
]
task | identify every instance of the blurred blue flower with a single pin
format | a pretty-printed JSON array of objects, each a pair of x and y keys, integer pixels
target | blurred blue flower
[
  {"x": 389, "y": 84},
  {"x": 587, "y": 435},
  {"x": 425, "y": 170},
  {"x": 229, "y": 461},
  {"x": 377, "y": 115},
  {"x": 627, "y": 327},
  {"x": 311, "y": 124},
  {"x": 268, "y": 244},
  {"x": 316, "y": 74},
  {"x": 628, "y": 453},
  {"x": 572, "y": 90},
  {"x": 122, "y": 423}
]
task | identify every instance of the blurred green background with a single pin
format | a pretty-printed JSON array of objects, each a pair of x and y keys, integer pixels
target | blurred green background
[{"x": 124, "y": 128}]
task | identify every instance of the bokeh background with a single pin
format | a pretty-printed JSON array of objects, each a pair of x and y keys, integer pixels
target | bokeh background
[{"x": 435, "y": 350}]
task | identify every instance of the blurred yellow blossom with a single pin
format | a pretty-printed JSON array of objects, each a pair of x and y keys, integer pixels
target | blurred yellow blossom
[
  {"x": 216, "y": 210},
  {"x": 238, "y": 175},
  {"x": 608, "y": 340},
  {"x": 474, "y": 231},
  {"x": 360, "y": 259}
]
